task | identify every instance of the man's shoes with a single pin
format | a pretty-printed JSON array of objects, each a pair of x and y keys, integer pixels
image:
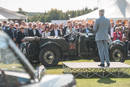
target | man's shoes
[
  {"x": 101, "y": 65},
  {"x": 108, "y": 64}
]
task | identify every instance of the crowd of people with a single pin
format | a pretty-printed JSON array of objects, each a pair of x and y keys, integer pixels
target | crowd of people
[{"x": 17, "y": 31}]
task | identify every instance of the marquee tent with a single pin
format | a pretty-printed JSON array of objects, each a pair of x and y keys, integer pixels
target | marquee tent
[
  {"x": 11, "y": 15},
  {"x": 2, "y": 18},
  {"x": 119, "y": 10}
]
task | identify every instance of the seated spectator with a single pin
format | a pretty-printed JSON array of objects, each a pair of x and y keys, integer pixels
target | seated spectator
[{"x": 117, "y": 35}]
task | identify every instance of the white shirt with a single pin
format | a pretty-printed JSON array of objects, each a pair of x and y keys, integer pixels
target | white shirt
[
  {"x": 68, "y": 31},
  {"x": 34, "y": 31},
  {"x": 56, "y": 33},
  {"x": 45, "y": 34},
  {"x": 112, "y": 30}
]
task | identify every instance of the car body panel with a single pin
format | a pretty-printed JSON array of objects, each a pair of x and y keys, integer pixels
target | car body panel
[{"x": 56, "y": 81}]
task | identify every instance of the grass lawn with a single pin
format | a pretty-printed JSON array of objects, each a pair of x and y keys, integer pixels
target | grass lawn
[{"x": 93, "y": 82}]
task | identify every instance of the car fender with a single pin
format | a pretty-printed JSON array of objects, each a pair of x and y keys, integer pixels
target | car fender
[{"x": 119, "y": 43}]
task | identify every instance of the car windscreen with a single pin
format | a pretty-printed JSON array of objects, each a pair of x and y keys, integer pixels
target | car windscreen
[{"x": 9, "y": 61}]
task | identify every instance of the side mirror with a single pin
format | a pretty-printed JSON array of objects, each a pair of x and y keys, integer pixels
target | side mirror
[{"x": 40, "y": 72}]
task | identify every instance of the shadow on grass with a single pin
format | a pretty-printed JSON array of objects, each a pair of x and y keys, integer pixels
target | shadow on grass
[
  {"x": 55, "y": 67},
  {"x": 106, "y": 81}
]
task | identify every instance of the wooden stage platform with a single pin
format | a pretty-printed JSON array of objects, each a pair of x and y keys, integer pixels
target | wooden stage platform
[{"x": 91, "y": 69}]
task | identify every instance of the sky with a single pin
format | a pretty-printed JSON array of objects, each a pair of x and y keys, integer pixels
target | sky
[{"x": 45, "y": 5}]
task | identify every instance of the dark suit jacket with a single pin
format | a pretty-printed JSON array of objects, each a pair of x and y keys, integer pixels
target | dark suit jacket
[
  {"x": 129, "y": 36},
  {"x": 4, "y": 28},
  {"x": 30, "y": 33},
  {"x": 19, "y": 37},
  {"x": 64, "y": 30},
  {"x": 10, "y": 32},
  {"x": 53, "y": 33}
]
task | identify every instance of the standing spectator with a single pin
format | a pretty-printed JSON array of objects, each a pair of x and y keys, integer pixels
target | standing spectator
[
  {"x": 46, "y": 32},
  {"x": 34, "y": 31},
  {"x": 128, "y": 37},
  {"x": 39, "y": 28},
  {"x": 20, "y": 37},
  {"x": 112, "y": 30},
  {"x": 16, "y": 30},
  {"x": 69, "y": 29},
  {"x": 117, "y": 35},
  {"x": 62, "y": 32},
  {"x": 55, "y": 32},
  {"x": 4, "y": 26},
  {"x": 16, "y": 26},
  {"x": 123, "y": 27},
  {"x": 28, "y": 29},
  {"x": 83, "y": 28},
  {"x": 11, "y": 32},
  {"x": 87, "y": 30},
  {"x": 79, "y": 28},
  {"x": 0, "y": 26}
]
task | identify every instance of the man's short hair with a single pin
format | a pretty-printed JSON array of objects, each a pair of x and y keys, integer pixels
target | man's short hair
[{"x": 101, "y": 10}]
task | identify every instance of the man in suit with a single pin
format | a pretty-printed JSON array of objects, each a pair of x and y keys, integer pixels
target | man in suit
[
  {"x": 11, "y": 32},
  {"x": 102, "y": 29},
  {"x": 55, "y": 32},
  {"x": 87, "y": 29},
  {"x": 20, "y": 36},
  {"x": 34, "y": 32},
  {"x": 4, "y": 26}
]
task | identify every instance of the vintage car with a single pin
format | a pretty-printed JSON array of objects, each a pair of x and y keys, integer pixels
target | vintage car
[
  {"x": 50, "y": 50},
  {"x": 16, "y": 70}
]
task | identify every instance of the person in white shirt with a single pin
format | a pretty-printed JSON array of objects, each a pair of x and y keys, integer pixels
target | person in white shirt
[
  {"x": 69, "y": 30},
  {"x": 46, "y": 32},
  {"x": 55, "y": 32},
  {"x": 112, "y": 30}
]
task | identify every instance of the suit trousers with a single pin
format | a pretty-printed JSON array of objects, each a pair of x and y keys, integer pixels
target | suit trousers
[{"x": 103, "y": 51}]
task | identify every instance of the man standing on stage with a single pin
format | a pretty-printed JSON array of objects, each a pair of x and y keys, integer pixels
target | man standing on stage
[{"x": 102, "y": 29}]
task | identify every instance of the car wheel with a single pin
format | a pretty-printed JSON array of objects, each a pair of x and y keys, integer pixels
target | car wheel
[
  {"x": 24, "y": 51},
  {"x": 49, "y": 56},
  {"x": 117, "y": 54}
]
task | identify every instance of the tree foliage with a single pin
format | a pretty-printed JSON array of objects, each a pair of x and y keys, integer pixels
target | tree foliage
[{"x": 55, "y": 14}]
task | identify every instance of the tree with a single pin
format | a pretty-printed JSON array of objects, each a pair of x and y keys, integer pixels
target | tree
[
  {"x": 20, "y": 10},
  {"x": 55, "y": 14}
]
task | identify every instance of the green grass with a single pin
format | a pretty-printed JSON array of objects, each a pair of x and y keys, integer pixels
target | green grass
[{"x": 93, "y": 82}]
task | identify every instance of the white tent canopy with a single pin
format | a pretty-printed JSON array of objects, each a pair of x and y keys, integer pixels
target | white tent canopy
[
  {"x": 11, "y": 14},
  {"x": 2, "y": 18},
  {"x": 120, "y": 9}
]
